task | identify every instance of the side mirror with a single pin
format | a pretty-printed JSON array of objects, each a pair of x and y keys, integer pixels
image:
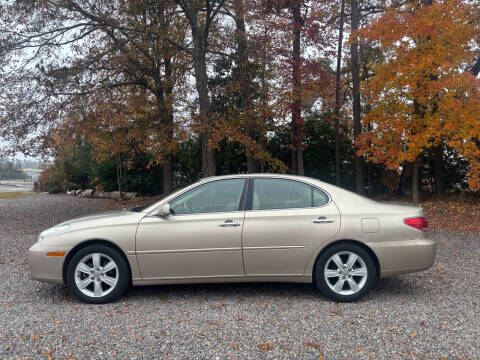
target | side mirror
[{"x": 164, "y": 210}]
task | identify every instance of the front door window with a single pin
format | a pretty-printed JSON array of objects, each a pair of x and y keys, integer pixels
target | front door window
[{"x": 215, "y": 196}]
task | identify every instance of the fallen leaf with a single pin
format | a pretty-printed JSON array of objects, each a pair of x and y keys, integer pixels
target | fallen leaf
[
  {"x": 48, "y": 354},
  {"x": 265, "y": 347}
]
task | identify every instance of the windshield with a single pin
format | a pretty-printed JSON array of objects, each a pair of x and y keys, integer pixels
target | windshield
[{"x": 143, "y": 207}]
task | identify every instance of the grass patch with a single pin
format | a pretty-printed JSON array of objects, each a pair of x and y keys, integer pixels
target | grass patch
[{"x": 14, "y": 195}]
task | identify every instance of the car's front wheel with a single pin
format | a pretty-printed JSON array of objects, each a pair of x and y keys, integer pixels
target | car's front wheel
[
  {"x": 97, "y": 274},
  {"x": 345, "y": 272}
]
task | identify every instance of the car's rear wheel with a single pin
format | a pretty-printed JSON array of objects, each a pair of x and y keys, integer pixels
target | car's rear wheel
[
  {"x": 345, "y": 272},
  {"x": 97, "y": 274}
]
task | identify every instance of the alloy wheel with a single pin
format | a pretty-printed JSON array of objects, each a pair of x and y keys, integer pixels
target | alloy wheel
[
  {"x": 345, "y": 273},
  {"x": 96, "y": 275}
]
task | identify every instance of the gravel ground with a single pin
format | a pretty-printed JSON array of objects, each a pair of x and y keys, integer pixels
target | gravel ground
[{"x": 429, "y": 315}]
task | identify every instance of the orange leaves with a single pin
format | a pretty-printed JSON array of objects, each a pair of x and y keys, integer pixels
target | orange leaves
[
  {"x": 453, "y": 214},
  {"x": 48, "y": 354},
  {"x": 413, "y": 335},
  {"x": 420, "y": 94},
  {"x": 265, "y": 347}
]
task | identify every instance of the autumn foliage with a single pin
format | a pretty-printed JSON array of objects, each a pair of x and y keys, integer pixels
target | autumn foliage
[
  {"x": 423, "y": 95},
  {"x": 378, "y": 96}
]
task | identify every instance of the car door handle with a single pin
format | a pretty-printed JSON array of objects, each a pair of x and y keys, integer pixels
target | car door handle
[
  {"x": 323, "y": 220},
  {"x": 230, "y": 223}
]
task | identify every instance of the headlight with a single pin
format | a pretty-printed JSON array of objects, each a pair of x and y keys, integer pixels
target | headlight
[{"x": 52, "y": 230}]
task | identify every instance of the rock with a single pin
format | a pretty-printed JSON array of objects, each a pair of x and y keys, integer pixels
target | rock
[
  {"x": 87, "y": 193},
  {"x": 77, "y": 192},
  {"x": 130, "y": 195},
  {"x": 115, "y": 195},
  {"x": 71, "y": 192},
  {"x": 101, "y": 195}
]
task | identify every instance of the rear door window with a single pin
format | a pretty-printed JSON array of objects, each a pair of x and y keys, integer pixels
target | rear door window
[{"x": 285, "y": 194}]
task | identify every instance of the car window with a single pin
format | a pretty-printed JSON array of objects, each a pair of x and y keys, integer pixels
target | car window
[
  {"x": 215, "y": 196},
  {"x": 319, "y": 198},
  {"x": 285, "y": 194}
]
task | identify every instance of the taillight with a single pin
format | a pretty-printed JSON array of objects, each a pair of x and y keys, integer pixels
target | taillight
[{"x": 419, "y": 222}]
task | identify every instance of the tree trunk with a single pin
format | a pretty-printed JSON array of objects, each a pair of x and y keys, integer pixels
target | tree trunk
[
  {"x": 167, "y": 175},
  {"x": 119, "y": 174},
  {"x": 252, "y": 165},
  {"x": 338, "y": 180},
  {"x": 297, "y": 121},
  {"x": 369, "y": 178},
  {"x": 415, "y": 179},
  {"x": 245, "y": 82},
  {"x": 200, "y": 71},
  {"x": 440, "y": 187},
  {"x": 357, "y": 124},
  {"x": 167, "y": 112}
]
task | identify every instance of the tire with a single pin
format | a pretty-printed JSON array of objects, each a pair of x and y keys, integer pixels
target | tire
[
  {"x": 349, "y": 283},
  {"x": 102, "y": 284}
]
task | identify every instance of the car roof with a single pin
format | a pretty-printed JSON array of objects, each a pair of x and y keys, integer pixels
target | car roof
[
  {"x": 275, "y": 175},
  {"x": 332, "y": 190},
  {"x": 305, "y": 179}
]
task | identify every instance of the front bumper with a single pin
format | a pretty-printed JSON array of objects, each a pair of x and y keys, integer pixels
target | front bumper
[
  {"x": 46, "y": 268},
  {"x": 404, "y": 256}
]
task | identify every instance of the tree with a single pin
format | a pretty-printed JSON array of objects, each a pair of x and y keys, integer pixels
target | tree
[
  {"x": 297, "y": 35},
  {"x": 246, "y": 107},
  {"x": 422, "y": 95},
  {"x": 201, "y": 16},
  {"x": 337, "y": 94},
  {"x": 112, "y": 45},
  {"x": 106, "y": 122},
  {"x": 297, "y": 120},
  {"x": 357, "y": 116}
]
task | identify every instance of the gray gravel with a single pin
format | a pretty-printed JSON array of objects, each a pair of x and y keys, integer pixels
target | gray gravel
[{"x": 430, "y": 315}]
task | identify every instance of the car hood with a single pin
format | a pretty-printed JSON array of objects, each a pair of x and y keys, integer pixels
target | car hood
[
  {"x": 116, "y": 226},
  {"x": 101, "y": 215},
  {"x": 105, "y": 218}
]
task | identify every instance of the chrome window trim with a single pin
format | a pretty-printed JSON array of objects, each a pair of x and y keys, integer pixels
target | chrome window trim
[{"x": 244, "y": 178}]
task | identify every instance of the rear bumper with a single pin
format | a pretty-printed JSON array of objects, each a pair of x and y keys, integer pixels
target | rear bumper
[
  {"x": 404, "y": 256},
  {"x": 46, "y": 268}
]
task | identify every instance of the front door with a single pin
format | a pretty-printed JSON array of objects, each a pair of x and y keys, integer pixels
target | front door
[
  {"x": 286, "y": 222},
  {"x": 200, "y": 239}
]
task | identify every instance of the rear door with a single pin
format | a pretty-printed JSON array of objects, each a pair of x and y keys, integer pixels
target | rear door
[{"x": 286, "y": 220}]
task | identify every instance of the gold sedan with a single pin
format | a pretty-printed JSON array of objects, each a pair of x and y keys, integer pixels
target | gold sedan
[{"x": 238, "y": 228}]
